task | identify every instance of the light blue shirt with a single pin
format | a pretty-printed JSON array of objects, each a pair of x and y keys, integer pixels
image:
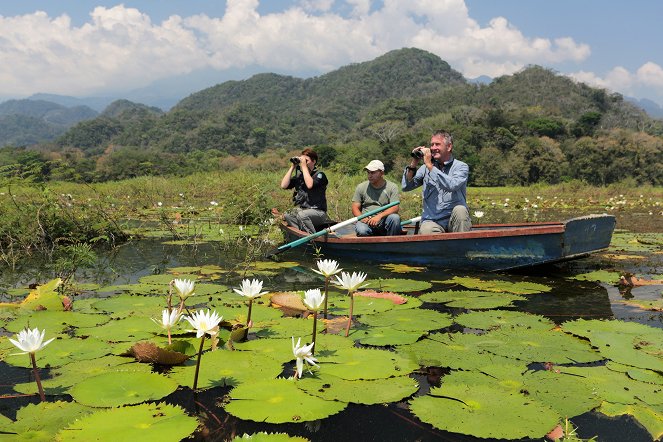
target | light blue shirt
[{"x": 445, "y": 187}]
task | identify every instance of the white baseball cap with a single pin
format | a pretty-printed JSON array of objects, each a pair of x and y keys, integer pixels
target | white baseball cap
[{"x": 375, "y": 165}]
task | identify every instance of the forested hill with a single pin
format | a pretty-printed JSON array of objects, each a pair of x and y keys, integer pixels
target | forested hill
[{"x": 529, "y": 127}]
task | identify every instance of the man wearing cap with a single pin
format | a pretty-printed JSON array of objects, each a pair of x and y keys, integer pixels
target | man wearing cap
[{"x": 374, "y": 193}]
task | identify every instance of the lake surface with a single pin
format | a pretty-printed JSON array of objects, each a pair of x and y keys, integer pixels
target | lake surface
[{"x": 568, "y": 300}]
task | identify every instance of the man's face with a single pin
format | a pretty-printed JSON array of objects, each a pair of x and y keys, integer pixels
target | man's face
[
  {"x": 439, "y": 149},
  {"x": 374, "y": 177}
]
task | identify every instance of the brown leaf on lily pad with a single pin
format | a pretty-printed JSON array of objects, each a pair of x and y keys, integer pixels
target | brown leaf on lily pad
[
  {"x": 633, "y": 281},
  {"x": 150, "y": 352},
  {"x": 391, "y": 296},
  {"x": 334, "y": 326},
  {"x": 288, "y": 300}
]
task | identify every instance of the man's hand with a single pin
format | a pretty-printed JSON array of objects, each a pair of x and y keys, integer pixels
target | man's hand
[{"x": 373, "y": 221}]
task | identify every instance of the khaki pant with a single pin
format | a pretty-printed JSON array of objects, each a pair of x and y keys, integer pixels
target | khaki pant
[{"x": 459, "y": 222}]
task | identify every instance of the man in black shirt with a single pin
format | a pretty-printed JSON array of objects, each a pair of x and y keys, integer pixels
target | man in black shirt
[{"x": 309, "y": 195}]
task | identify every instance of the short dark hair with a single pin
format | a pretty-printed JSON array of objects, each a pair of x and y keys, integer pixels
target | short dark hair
[
  {"x": 311, "y": 154},
  {"x": 448, "y": 138}
]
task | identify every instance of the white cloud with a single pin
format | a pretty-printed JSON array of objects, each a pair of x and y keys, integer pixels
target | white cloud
[
  {"x": 120, "y": 48},
  {"x": 645, "y": 82}
]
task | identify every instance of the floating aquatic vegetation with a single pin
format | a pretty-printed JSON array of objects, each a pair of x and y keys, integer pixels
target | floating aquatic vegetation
[
  {"x": 638, "y": 374},
  {"x": 628, "y": 343},
  {"x": 41, "y": 422},
  {"x": 363, "y": 363},
  {"x": 120, "y": 306},
  {"x": 303, "y": 356},
  {"x": 63, "y": 351},
  {"x": 503, "y": 319},
  {"x": 121, "y": 388},
  {"x": 146, "y": 422},
  {"x": 151, "y": 353},
  {"x": 56, "y": 321},
  {"x": 223, "y": 367},
  {"x": 362, "y": 305},
  {"x": 496, "y": 285},
  {"x": 599, "y": 276},
  {"x": 409, "y": 320},
  {"x": 129, "y": 329},
  {"x": 651, "y": 419},
  {"x": 636, "y": 242},
  {"x": 44, "y": 297},
  {"x": 391, "y": 296},
  {"x": 269, "y": 437},
  {"x": 402, "y": 268},
  {"x": 278, "y": 401},
  {"x": 384, "y": 336},
  {"x": 644, "y": 304},
  {"x": 398, "y": 285},
  {"x": 375, "y": 391},
  {"x": 472, "y": 299},
  {"x": 278, "y": 348},
  {"x": 484, "y": 411}
]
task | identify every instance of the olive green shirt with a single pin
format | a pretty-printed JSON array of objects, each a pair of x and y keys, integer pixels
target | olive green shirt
[{"x": 370, "y": 198}]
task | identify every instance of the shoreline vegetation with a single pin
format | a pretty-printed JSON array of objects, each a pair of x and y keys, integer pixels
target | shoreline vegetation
[{"x": 49, "y": 219}]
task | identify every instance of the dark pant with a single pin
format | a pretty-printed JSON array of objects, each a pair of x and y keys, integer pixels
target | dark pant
[{"x": 389, "y": 226}]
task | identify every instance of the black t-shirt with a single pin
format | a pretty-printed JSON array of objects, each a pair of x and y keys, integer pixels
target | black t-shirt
[{"x": 313, "y": 198}]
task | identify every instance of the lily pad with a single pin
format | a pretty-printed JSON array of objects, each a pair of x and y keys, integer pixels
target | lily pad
[
  {"x": 409, "y": 320},
  {"x": 278, "y": 401},
  {"x": 364, "y": 363},
  {"x": 123, "y": 305},
  {"x": 286, "y": 327},
  {"x": 127, "y": 329},
  {"x": 484, "y": 411},
  {"x": 223, "y": 367},
  {"x": 121, "y": 388},
  {"x": 281, "y": 349},
  {"x": 384, "y": 336},
  {"x": 497, "y": 285},
  {"x": 569, "y": 395},
  {"x": 503, "y": 319},
  {"x": 146, "y": 422},
  {"x": 650, "y": 418},
  {"x": 377, "y": 391},
  {"x": 472, "y": 299},
  {"x": 62, "y": 351},
  {"x": 599, "y": 276},
  {"x": 402, "y": 268},
  {"x": 398, "y": 285},
  {"x": 42, "y": 421},
  {"x": 269, "y": 437},
  {"x": 362, "y": 305},
  {"x": 56, "y": 321}
]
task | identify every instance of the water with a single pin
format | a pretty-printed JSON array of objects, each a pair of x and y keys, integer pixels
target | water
[{"x": 568, "y": 300}]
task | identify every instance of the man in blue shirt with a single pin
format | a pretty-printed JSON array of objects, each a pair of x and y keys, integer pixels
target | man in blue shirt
[{"x": 444, "y": 181}]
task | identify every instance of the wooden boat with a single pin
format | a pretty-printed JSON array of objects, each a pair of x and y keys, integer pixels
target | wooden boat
[{"x": 491, "y": 247}]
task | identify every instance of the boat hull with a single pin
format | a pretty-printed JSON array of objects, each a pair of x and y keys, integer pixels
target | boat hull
[{"x": 485, "y": 247}]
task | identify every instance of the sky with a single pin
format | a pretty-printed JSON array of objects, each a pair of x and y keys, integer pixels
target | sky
[{"x": 85, "y": 48}]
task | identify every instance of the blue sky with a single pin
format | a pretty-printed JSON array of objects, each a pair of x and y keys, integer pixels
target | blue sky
[{"x": 101, "y": 48}]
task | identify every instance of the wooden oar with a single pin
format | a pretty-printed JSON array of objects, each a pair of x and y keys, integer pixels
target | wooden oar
[{"x": 328, "y": 230}]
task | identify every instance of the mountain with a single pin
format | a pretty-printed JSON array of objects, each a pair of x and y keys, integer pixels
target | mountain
[
  {"x": 24, "y": 122},
  {"x": 96, "y": 103},
  {"x": 651, "y": 107}
]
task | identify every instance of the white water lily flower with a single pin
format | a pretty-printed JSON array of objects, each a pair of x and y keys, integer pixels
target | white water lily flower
[
  {"x": 313, "y": 299},
  {"x": 327, "y": 267},
  {"x": 184, "y": 288},
  {"x": 204, "y": 322},
  {"x": 30, "y": 341},
  {"x": 168, "y": 320},
  {"x": 302, "y": 354},
  {"x": 250, "y": 288},
  {"x": 478, "y": 214},
  {"x": 349, "y": 282}
]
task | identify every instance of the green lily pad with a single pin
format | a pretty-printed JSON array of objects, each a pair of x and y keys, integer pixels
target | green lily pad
[
  {"x": 384, "y": 336},
  {"x": 280, "y": 349},
  {"x": 409, "y": 320},
  {"x": 398, "y": 285},
  {"x": 650, "y": 418},
  {"x": 121, "y": 388},
  {"x": 67, "y": 375},
  {"x": 503, "y": 319},
  {"x": 124, "y": 305},
  {"x": 62, "y": 351},
  {"x": 362, "y": 305},
  {"x": 286, "y": 327},
  {"x": 269, "y": 437},
  {"x": 367, "y": 392},
  {"x": 496, "y": 285},
  {"x": 599, "y": 276},
  {"x": 637, "y": 374},
  {"x": 402, "y": 268},
  {"x": 278, "y": 401},
  {"x": 42, "y": 421},
  {"x": 484, "y": 411},
  {"x": 472, "y": 299},
  {"x": 55, "y": 321},
  {"x": 363, "y": 363},
  {"x": 628, "y": 343},
  {"x": 453, "y": 350},
  {"x": 223, "y": 367},
  {"x": 146, "y": 422},
  {"x": 541, "y": 346},
  {"x": 569, "y": 395},
  {"x": 127, "y": 329}
]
